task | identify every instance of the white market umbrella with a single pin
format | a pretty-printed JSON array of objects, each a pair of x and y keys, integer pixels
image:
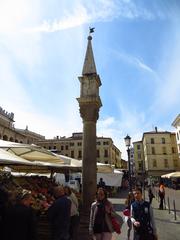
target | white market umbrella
[
  {"x": 29, "y": 152},
  {"x": 171, "y": 175},
  {"x": 7, "y": 158}
]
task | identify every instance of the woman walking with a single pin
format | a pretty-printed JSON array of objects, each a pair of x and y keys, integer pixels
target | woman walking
[
  {"x": 128, "y": 202},
  {"x": 99, "y": 226}
]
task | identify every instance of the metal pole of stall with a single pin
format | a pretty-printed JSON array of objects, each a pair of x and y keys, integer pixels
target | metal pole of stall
[
  {"x": 168, "y": 204},
  {"x": 165, "y": 203},
  {"x": 174, "y": 205}
]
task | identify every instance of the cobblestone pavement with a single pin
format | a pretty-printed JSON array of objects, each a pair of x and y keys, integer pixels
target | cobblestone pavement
[{"x": 167, "y": 227}]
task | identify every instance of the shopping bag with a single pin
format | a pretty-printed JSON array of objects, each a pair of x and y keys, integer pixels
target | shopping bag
[{"x": 116, "y": 225}]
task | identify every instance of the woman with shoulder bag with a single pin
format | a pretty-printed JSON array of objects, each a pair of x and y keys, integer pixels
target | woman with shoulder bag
[{"x": 100, "y": 227}]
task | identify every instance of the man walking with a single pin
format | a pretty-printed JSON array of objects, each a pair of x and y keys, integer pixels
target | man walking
[
  {"x": 142, "y": 218},
  {"x": 59, "y": 215},
  {"x": 161, "y": 196}
]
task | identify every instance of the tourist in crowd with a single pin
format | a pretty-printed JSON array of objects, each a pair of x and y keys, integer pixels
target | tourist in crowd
[
  {"x": 161, "y": 195},
  {"x": 142, "y": 218},
  {"x": 150, "y": 194},
  {"x": 74, "y": 220},
  {"x": 126, "y": 212},
  {"x": 59, "y": 215},
  {"x": 3, "y": 205},
  {"x": 101, "y": 183},
  {"x": 99, "y": 227},
  {"x": 20, "y": 219}
]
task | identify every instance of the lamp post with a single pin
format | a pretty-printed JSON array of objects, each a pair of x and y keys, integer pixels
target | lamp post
[{"x": 128, "y": 144}]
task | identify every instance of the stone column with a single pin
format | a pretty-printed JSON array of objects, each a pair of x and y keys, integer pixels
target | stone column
[
  {"x": 89, "y": 104},
  {"x": 89, "y": 113}
]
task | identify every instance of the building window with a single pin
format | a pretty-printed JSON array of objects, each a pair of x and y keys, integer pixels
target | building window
[
  {"x": 138, "y": 147},
  {"x": 98, "y": 143},
  {"x": 79, "y": 154},
  {"x": 62, "y": 147},
  {"x": 66, "y": 147},
  {"x": 44, "y": 146},
  {"x": 106, "y": 143},
  {"x": 105, "y": 153},
  {"x": 98, "y": 153},
  {"x": 177, "y": 136},
  {"x": 166, "y": 163},
  {"x": 163, "y": 140},
  {"x": 173, "y": 150},
  {"x": 164, "y": 150},
  {"x": 140, "y": 166},
  {"x": 139, "y": 155},
  {"x": 175, "y": 162},
  {"x": 79, "y": 143},
  {"x": 72, "y": 154},
  {"x": 154, "y": 163},
  {"x": 71, "y": 144},
  {"x": 54, "y": 147},
  {"x": 153, "y": 150},
  {"x": 152, "y": 140},
  {"x": 49, "y": 147}
]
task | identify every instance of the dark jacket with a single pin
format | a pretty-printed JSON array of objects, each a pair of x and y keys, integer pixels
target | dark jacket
[
  {"x": 19, "y": 223},
  {"x": 59, "y": 217}
]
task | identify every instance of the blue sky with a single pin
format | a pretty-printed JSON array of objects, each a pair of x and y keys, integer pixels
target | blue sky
[{"x": 136, "y": 47}]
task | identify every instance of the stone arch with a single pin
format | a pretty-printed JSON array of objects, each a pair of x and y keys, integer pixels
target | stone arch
[
  {"x": 11, "y": 139},
  {"x": 5, "y": 138}
]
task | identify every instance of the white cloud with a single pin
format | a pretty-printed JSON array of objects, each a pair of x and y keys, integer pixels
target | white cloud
[
  {"x": 137, "y": 62},
  {"x": 78, "y": 17},
  {"x": 14, "y": 15},
  {"x": 142, "y": 65},
  {"x": 90, "y": 12},
  {"x": 167, "y": 91},
  {"x": 131, "y": 122}
]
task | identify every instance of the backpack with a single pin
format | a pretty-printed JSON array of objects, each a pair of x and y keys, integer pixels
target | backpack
[{"x": 141, "y": 214}]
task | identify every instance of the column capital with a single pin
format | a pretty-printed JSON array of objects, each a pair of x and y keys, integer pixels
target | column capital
[{"x": 89, "y": 112}]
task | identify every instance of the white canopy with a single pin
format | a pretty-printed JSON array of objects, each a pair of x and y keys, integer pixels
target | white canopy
[
  {"x": 72, "y": 162},
  {"x": 32, "y": 158},
  {"x": 7, "y": 158},
  {"x": 29, "y": 152},
  {"x": 171, "y": 175}
]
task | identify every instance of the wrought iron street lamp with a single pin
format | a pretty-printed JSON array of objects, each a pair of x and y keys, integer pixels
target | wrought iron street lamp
[{"x": 128, "y": 144}]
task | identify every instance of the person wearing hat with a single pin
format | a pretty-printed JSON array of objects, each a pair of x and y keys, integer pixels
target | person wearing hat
[{"x": 20, "y": 219}]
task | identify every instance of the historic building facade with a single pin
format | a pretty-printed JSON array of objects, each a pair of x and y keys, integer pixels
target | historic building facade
[
  {"x": 138, "y": 158},
  {"x": 9, "y": 133},
  {"x": 176, "y": 124},
  {"x": 107, "y": 152},
  {"x": 157, "y": 153}
]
